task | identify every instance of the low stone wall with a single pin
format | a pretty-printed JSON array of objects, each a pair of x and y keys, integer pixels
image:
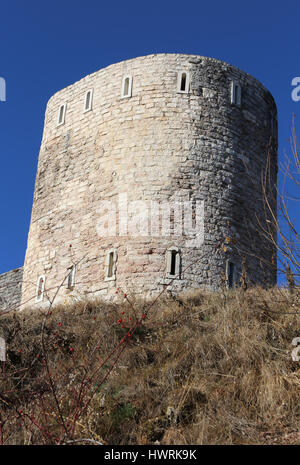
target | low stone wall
[{"x": 10, "y": 289}]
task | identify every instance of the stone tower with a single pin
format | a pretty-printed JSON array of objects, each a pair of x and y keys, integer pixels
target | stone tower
[{"x": 144, "y": 167}]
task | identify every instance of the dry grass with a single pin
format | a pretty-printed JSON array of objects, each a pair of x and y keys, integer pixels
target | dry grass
[{"x": 204, "y": 368}]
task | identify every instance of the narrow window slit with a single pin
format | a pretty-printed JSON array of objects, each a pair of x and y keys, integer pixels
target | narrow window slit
[
  {"x": 236, "y": 94},
  {"x": 231, "y": 274},
  {"x": 88, "y": 100},
  {"x": 111, "y": 265},
  {"x": 126, "y": 86},
  {"x": 40, "y": 289},
  {"x": 183, "y": 82},
  {"x": 71, "y": 277},
  {"x": 61, "y": 114},
  {"x": 173, "y": 262}
]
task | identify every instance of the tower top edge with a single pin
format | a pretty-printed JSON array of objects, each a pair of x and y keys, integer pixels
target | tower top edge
[{"x": 192, "y": 58}]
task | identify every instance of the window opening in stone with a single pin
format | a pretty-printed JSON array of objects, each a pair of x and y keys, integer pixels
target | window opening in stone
[
  {"x": 236, "y": 94},
  {"x": 61, "y": 114},
  {"x": 127, "y": 86},
  {"x": 40, "y": 289},
  {"x": 183, "y": 82},
  {"x": 110, "y": 265},
  {"x": 71, "y": 278},
  {"x": 173, "y": 262},
  {"x": 88, "y": 101},
  {"x": 231, "y": 274}
]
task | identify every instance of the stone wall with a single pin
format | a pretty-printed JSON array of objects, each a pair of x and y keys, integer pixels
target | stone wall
[
  {"x": 160, "y": 146},
  {"x": 10, "y": 289}
]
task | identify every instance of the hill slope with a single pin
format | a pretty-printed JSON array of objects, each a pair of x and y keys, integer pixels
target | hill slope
[{"x": 204, "y": 368}]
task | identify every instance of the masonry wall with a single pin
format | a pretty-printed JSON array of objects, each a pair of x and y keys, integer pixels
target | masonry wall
[
  {"x": 156, "y": 146},
  {"x": 10, "y": 289}
]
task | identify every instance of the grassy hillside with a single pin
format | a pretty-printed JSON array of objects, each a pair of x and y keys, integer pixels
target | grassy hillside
[{"x": 205, "y": 368}]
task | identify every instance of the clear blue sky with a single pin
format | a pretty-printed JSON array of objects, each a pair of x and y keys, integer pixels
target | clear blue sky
[{"x": 46, "y": 46}]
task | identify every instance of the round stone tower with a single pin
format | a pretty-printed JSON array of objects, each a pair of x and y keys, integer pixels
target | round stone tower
[{"x": 145, "y": 166}]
